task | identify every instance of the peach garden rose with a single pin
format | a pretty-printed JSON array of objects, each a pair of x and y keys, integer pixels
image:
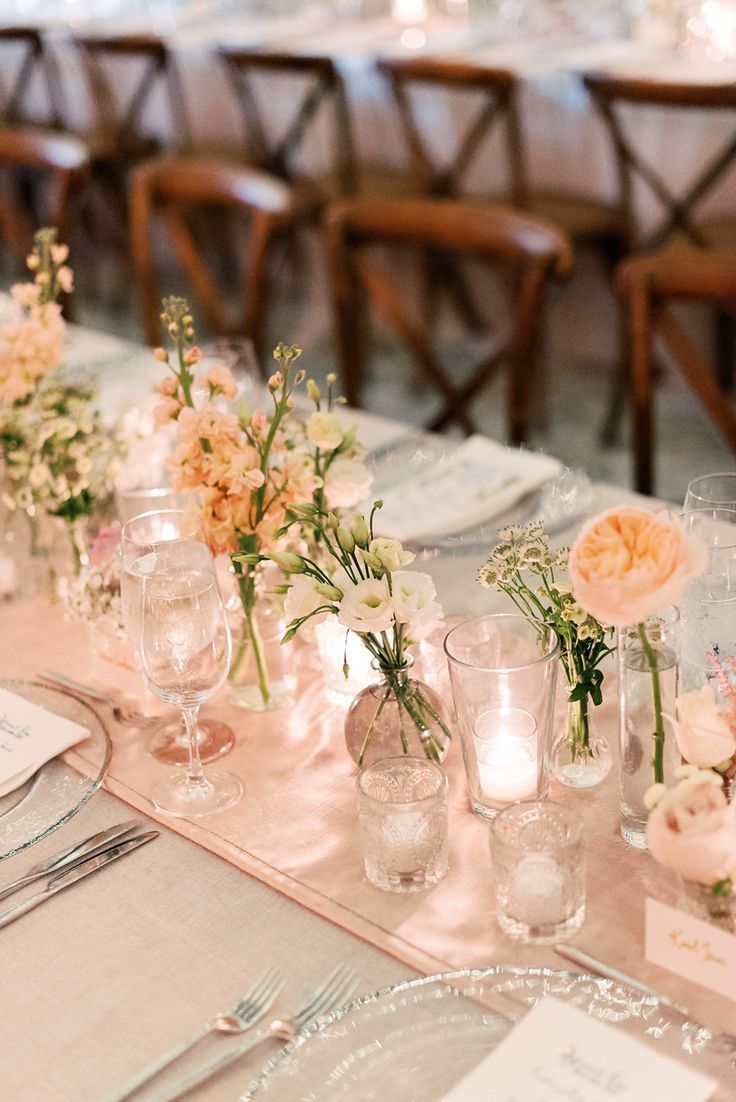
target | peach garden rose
[{"x": 692, "y": 828}]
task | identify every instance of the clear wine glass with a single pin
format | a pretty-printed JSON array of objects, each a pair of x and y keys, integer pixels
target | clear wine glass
[
  {"x": 171, "y": 520},
  {"x": 712, "y": 491},
  {"x": 177, "y": 624}
]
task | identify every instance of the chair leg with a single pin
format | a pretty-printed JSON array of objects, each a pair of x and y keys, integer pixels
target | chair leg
[
  {"x": 257, "y": 282},
  {"x": 349, "y": 322},
  {"x": 640, "y": 321},
  {"x": 725, "y": 341}
]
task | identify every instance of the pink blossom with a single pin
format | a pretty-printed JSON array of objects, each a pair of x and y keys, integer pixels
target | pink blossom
[{"x": 105, "y": 546}]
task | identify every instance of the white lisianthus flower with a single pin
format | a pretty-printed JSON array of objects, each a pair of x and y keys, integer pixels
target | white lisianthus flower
[
  {"x": 347, "y": 483},
  {"x": 367, "y": 606},
  {"x": 302, "y": 599},
  {"x": 414, "y": 603},
  {"x": 324, "y": 431},
  {"x": 390, "y": 554}
]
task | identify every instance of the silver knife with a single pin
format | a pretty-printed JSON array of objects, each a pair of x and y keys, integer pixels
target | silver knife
[
  {"x": 73, "y": 854},
  {"x": 77, "y": 872}
]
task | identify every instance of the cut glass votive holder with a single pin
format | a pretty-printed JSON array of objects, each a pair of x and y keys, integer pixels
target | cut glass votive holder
[
  {"x": 538, "y": 855},
  {"x": 503, "y": 672},
  {"x": 402, "y": 814}
]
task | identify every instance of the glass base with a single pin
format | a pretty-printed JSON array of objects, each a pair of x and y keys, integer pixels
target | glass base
[
  {"x": 170, "y": 744},
  {"x": 549, "y": 934},
  {"x": 215, "y": 792},
  {"x": 634, "y": 833},
  {"x": 579, "y": 774},
  {"x": 249, "y": 697},
  {"x": 400, "y": 882}
]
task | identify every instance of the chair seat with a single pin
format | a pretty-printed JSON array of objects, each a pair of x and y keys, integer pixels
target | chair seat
[
  {"x": 683, "y": 272},
  {"x": 211, "y": 178},
  {"x": 105, "y": 147},
  {"x": 583, "y": 218}
]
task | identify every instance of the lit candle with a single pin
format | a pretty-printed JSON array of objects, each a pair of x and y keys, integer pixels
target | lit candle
[
  {"x": 409, "y": 11},
  {"x": 537, "y": 891},
  {"x": 506, "y": 754}
]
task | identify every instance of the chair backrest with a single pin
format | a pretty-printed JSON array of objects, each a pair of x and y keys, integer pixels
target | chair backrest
[
  {"x": 613, "y": 94},
  {"x": 60, "y": 159},
  {"x": 533, "y": 249},
  {"x": 155, "y": 65},
  {"x": 32, "y": 59},
  {"x": 321, "y": 86},
  {"x": 496, "y": 90},
  {"x": 175, "y": 191}
]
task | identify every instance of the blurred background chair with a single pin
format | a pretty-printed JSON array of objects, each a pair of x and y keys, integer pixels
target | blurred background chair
[
  {"x": 173, "y": 193},
  {"x": 681, "y": 220},
  {"x": 530, "y": 250},
  {"x": 25, "y": 62},
  {"x": 651, "y": 284}
]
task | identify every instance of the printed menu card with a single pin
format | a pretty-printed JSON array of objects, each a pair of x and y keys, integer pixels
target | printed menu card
[
  {"x": 29, "y": 737},
  {"x": 557, "y": 1053}
]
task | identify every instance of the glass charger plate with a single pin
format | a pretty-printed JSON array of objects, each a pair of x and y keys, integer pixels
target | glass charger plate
[
  {"x": 63, "y": 785},
  {"x": 560, "y": 500},
  {"x": 417, "y": 1039}
]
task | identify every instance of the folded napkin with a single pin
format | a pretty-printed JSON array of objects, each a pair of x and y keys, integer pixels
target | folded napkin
[
  {"x": 29, "y": 737},
  {"x": 452, "y": 492}
]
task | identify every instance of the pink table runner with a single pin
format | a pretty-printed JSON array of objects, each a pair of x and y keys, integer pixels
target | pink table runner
[{"x": 296, "y": 830}]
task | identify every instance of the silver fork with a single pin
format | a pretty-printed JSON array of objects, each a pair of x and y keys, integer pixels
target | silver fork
[
  {"x": 128, "y": 717},
  {"x": 256, "y": 1002},
  {"x": 334, "y": 990}
]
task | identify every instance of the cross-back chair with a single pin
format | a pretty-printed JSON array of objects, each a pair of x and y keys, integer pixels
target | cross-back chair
[
  {"x": 59, "y": 162},
  {"x": 120, "y": 128},
  {"x": 175, "y": 191},
  {"x": 321, "y": 87},
  {"x": 610, "y": 94},
  {"x": 587, "y": 221},
  {"x": 651, "y": 285},
  {"x": 532, "y": 250},
  {"x": 32, "y": 61}
]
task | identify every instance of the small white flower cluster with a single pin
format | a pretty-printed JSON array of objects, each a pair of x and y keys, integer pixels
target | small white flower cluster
[
  {"x": 58, "y": 452},
  {"x": 520, "y": 548},
  {"x": 93, "y": 597}
]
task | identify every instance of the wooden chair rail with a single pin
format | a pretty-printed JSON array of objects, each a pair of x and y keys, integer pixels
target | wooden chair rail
[{"x": 35, "y": 58}]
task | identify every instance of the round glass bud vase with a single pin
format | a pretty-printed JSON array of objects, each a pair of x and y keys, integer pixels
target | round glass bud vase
[
  {"x": 581, "y": 756},
  {"x": 397, "y": 715},
  {"x": 648, "y": 683}
]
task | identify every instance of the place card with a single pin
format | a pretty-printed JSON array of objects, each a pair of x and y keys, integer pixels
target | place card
[
  {"x": 29, "y": 737},
  {"x": 557, "y": 1053},
  {"x": 690, "y": 948},
  {"x": 478, "y": 480}
]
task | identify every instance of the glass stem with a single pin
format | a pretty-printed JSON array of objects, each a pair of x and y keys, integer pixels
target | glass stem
[{"x": 194, "y": 770}]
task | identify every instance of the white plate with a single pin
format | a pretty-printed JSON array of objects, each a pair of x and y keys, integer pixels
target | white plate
[{"x": 416, "y": 1040}]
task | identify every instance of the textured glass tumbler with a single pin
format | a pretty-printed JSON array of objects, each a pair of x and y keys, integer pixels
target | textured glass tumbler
[
  {"x": 402, "y": 813},
  {"x": 538, "y": 855}
]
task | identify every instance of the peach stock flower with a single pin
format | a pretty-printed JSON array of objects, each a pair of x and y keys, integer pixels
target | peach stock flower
[
  {"x": 692, "y": 828},
  {"x": 627, "y": 564}
]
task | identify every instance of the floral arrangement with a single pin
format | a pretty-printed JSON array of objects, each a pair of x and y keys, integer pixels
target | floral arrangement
[
  {"x": 342, "y": 479},
  {"x": 93, "y": 596},
  {"x": 30, "y": 344},
  {"x": 628, "y": 564},
  {"x": 526, "y": 550},
  {"x": 372, "y": 595},
  {"x": 692, "y": 829},
  {"x": 243, "y": 463}
]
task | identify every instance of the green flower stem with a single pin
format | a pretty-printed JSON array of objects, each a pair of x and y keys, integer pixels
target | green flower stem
[
  {"x": 252, "y": 638},
  {"x": 651, "y": 657}
]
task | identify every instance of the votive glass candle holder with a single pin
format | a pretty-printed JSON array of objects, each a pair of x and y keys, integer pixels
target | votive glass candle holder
[
  {"x": 503, "y": 672},
  {"x": 538, "y": 856},
  {"x": 402, "y": 814}
]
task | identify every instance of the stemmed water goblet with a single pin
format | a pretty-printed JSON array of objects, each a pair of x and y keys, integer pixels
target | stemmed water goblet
[
  {"x": 176, "y": 621},
  {"x": 712, "y": 491},
  {"x": 166, "y": 519}
]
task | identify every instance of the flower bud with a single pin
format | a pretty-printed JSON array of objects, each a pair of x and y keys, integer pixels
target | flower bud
[
  {"x": 345, "y": 539},
  {"x": 331, "y": 592},
  {"x": 360, "y": 531},
  {"x": 290, "y": 563},
  {"x": 332, "y": 522},
  {"x": 313, "y": 392},
  {"x": 331, "y": 378},
  {"x": 160, "y": 355}
]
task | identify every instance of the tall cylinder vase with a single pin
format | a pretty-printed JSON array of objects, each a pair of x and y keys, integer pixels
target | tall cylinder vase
[{"x": 648, "y": 680}]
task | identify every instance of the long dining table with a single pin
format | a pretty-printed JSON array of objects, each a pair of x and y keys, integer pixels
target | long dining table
[{"x": 101, "y": 980}]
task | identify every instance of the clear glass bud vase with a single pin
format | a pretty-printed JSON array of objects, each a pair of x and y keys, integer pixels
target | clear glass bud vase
[
  {"x": 397, "y": 715},
  {"x": 261, "y": 677},
  {"x": 581, "y": 756},
  {"x": 648, "y": 682}
]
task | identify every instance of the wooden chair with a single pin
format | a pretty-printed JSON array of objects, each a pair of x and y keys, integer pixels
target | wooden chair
[
  {"x": 32, "y": 60},
  {"x": 586, "y": 221},
  {"x": 321, "y": 86},
  {"x": 651, "y": 285},
  {"x": 61, "y": 165},
  {"x": 681, "y": 222},
  {"x": 532, "y": 250},
  {"x": 175, "y": 191}
]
